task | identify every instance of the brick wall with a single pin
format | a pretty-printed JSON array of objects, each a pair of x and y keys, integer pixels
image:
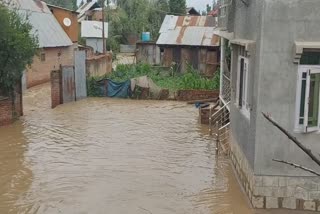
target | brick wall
[
  {"x": 11, "y": 107},
  {"x": 39, "y": 71},
  {"x": 99, "y": 65},
  {"x": 6, "y": 111},
  {"x": 188, "y": 95},
  {"x": 56, "y": 87}
]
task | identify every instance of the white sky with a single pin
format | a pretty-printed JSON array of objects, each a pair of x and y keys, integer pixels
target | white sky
[{"x": 198, "y": 4}]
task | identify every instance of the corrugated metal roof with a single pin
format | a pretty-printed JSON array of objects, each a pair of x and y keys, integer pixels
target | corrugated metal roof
[
  {"x": 45, "y": 25},
  {"x": 188, "y": 30},
  {"x": 93, "y": 29}
]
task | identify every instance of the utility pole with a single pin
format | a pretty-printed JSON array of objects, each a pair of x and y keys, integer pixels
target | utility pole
[{"x": 103, "y": 36}]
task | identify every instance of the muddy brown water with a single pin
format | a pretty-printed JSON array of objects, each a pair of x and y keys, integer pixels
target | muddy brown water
[{"x": 113, "y": 156}]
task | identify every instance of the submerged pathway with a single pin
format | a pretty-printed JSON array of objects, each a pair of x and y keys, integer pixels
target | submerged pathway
[{"x": 113, "y": 156}]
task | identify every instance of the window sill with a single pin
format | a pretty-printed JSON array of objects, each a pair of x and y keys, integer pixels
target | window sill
[{"x": 299, "y": 130}]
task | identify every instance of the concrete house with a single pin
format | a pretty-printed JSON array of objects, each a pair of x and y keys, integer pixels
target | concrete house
[
  {"x": 56, "y": 48},
  {"x": 189, "y": 40},
  {"x": 274, "y": 68}
]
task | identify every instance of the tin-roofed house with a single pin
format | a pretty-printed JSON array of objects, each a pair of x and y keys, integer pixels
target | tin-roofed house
[
  {"x": 189, "y": 40},
  {"x": 92, "y": 32},
  {"x": 55, "y": 47}
]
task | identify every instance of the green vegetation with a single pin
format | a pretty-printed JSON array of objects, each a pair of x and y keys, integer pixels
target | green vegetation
[
  {"x": 177, "y": 7},
  {"x": 69, "y": 4},
  {"x": 133, "y": 17},
  {"x": 17, "y": 48},
  {"x": 166, "y": 79}
]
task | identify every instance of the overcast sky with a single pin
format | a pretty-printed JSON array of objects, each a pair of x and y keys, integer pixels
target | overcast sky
[{"x": 198, "y": 4}]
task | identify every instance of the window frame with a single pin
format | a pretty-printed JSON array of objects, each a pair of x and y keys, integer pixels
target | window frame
[
  {"x": 244, "y": 105},
  {"x": 42, "y": 56},
  {"x": 305, "y": 128}
]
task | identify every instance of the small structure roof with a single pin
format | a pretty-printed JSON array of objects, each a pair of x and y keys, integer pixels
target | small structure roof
[
  {"x": 93, "y": 29},
  {"x": 188, "y": 31}
]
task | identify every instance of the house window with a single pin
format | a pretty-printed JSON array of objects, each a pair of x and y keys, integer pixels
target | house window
[
  {"x": 242, "y": 96},
  {"x": 308, "y": 93},
  {"x": 43, "y": 57}
]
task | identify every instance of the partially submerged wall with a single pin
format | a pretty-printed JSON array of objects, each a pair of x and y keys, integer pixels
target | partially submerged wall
[
  {"x": 99, "y": 65},
  {"x": 11, "y": 107},
  {"x": 188, "y": 95}
]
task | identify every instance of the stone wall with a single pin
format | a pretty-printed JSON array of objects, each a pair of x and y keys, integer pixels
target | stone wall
[
  {"x": 188, "y": 95},
  {"x": 272, "y": 192}
]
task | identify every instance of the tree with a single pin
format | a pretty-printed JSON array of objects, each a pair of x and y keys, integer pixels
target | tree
[
  {"x": 177, "y": 7},
  {"x": 134, "y": 17},
  {"x": 17, "y": 48}
]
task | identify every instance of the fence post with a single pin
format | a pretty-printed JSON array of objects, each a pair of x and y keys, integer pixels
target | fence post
[
  {"x": 217, "y": 137},
  {"x": 210, "y": 121}
]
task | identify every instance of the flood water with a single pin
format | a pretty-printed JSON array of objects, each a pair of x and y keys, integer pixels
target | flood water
[{"x": 113, "y": 156}]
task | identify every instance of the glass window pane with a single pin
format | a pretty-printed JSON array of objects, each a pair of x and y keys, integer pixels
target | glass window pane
[
  {"x": 303, "y": 99},
  {"x": 314, "y": 100},
  {"x": 310, "y": 58},
  {"x": 304, "y": 75}
]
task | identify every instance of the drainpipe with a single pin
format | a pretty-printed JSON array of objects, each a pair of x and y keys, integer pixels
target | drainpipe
[{"x": 222, "y": 56}]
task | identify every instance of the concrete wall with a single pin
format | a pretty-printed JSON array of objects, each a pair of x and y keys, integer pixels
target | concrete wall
[
  {"x": 99, "y": 65},
  {"x": 274, "y": 25},
  {"x": 96, "y": 44},
  {"x": 39, "y": 71},
  {"x": 247, "y": 24},
  {"x": 283, "y": 23}
]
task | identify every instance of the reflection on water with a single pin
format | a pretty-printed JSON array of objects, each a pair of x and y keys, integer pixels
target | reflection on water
[{"x": 112, "y": 156}]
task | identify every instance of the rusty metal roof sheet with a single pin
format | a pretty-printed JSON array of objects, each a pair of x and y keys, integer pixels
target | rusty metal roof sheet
[
  {"x": 188, "y": 30},
  {"x": 44, "y": 24}
]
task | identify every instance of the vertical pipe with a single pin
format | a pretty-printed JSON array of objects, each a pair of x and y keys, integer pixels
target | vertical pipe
[
  {"x": 210, "y": 121},
  {"x": 103, "y": 36},
  {"x": 217, "y": 138},
  {"x": 222, "y": 57}
]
